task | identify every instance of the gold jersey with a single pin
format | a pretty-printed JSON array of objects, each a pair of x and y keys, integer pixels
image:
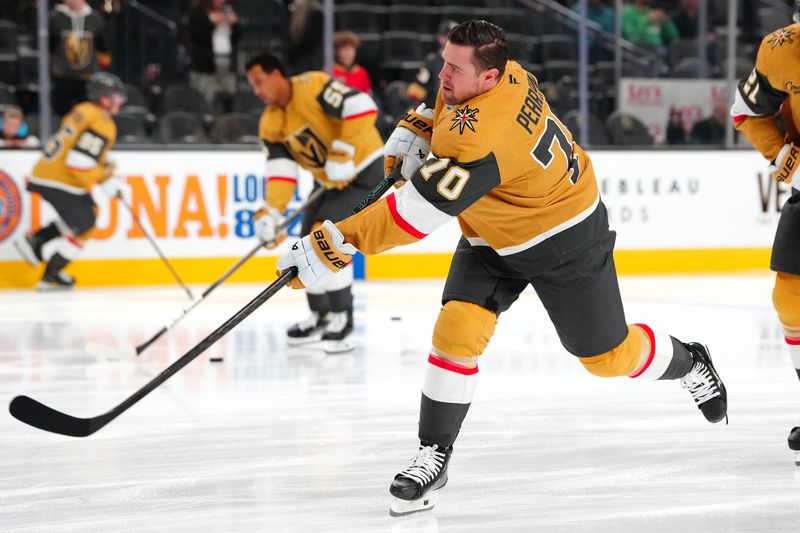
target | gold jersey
[
  {"x": 321, "y": 110},
  {"x": 773, "y": 86},
  {"x": 75, "y": 156},
  {"x": 524, "y": 193}
]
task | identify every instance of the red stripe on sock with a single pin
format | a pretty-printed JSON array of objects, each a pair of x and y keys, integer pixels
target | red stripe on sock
[
  {"x": 793, "y": 342},
  {"x": 74, "y": 242},
  {"x": 650, "y": 357},
  {"x": 444, "y": 364},
  {"x": 283, "y": 178}
]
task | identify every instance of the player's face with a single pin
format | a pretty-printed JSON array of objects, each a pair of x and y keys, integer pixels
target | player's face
[
  {"x": 460, "y": 77},
  {"x": 267, "y": 86},
  {"x": 112, "y": 103}
]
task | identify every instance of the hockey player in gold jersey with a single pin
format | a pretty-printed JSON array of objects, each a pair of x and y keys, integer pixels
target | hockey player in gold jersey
[
  {"x": 328, "y": 129},
  {"x": 772, "y": 88},
  {"x": 73, "y": 160},
  {"x": 528, "y": 204}
]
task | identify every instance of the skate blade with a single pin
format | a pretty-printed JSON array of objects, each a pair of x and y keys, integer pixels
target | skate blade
[
  {"x": 406, "y": 507},
  {"x": 44, "y": 286},
  {"x": 295, "y": 341},
  {"x": 334, "y": 347},
  {"x": 26, "y": 254}
]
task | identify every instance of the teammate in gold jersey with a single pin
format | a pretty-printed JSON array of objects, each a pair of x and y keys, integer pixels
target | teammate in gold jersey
[
  {"x": 73, "y": 160},
  {"x": 328, "y": 129},
  {"x": 528, "y": 204},
  {"x": 772, "y": 88}
]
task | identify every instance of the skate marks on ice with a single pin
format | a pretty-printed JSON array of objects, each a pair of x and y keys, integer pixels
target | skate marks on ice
[{"x": 278, "y": 440}]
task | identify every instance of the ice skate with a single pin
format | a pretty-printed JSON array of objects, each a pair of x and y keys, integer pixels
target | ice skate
[
  {"x": 58, "y": 281},
  {"x": 308, "y": 331},
  {"x": 336, "y": 335},
  {"x": 29, "y": 249},
  {"x": 415, "y": 488},
  {"x": 705, "y": 385},
  {"x": 794, "y": 444}
]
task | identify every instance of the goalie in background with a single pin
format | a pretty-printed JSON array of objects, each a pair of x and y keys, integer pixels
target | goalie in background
[
  {"x": 73, "y": 160},
  {"x": 327, "y": 128},
  {"x": 766, "y": 96}
]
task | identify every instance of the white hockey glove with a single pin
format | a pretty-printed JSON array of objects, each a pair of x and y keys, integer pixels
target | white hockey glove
[
  {"x": 785, "y": 164},
  {"x": 339, "y": 166},
  {"x": 317, "y": 256},
  {"x": 113, "y": 187},
  {"x": 410, "y": 141},
  {"x": 268, "y": 220}
]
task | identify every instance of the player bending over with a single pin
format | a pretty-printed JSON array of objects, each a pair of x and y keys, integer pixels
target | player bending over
[
  {"x": 530, "y": 212},
  {"x": 73, "y": 159},
  {"x": 329, "y": 129},
  {"x": 774, "y": 87}
]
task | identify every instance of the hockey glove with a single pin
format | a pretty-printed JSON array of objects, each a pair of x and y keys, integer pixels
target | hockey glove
[
  {"x": 410, "y": 141},
  {"x": 113, "y": 187},
  {"x": 268, "y": 219},
  {"x": 339, "y": 167},
  {"x": 317, "y": 256},
  {"x": 785, "y": 164}
]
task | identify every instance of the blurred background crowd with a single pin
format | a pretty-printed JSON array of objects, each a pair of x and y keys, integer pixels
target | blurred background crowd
[{"x": 656, "y": 73}]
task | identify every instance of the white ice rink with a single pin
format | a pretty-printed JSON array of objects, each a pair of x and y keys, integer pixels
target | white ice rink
[{"x": 285, "y": 440}]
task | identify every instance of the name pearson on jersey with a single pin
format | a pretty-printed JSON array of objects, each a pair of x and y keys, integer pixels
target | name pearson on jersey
[{"x": 531, "y": 110}]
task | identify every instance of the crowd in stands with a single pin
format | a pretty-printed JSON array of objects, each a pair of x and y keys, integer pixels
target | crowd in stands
[{"x": 183, "y": 59}]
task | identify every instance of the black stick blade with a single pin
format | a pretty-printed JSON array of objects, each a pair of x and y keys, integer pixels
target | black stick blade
[{"x": 38, "y": 415}]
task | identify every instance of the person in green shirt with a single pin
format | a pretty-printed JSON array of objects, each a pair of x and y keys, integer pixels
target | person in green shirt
[{"x": 652, "y": 27}]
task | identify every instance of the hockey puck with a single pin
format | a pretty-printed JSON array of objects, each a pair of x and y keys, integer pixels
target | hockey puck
[
  {"x": 215, "y": 359},
  {"x": 395, "y": 319}
]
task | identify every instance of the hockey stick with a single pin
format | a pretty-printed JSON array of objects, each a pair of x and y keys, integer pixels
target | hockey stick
[
  {"x": 36, "y": 414},
  {"x": 155, "y": 246},
  {"x": 129, "y": 351}
]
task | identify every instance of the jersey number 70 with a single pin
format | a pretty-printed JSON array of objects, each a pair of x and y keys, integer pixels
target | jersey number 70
[{"x": 543, "y": 152}]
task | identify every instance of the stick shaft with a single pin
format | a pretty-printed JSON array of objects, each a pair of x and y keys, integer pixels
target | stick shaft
[
  {"x": 315, "y": 194},
  {"x": 155, "y": 247}
]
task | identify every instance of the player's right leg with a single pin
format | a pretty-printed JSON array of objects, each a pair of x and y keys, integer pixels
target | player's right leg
[
  {"x": 76, "y": 219},
  {"x": 583, "y": 300},
  {"x": 785, "y": 261},
  {"x": 472, "y": 300}
]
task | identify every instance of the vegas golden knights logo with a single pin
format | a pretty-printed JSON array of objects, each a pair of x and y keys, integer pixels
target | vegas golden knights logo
[
  {"x": 307, "y": 147},
  {"x": 77, "y": 50}
]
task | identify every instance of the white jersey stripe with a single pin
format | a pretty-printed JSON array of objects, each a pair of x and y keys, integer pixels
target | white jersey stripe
[
  {"x": 510, "y": 250},
  {"x": 357, "y": 104},
  {"x": 79, "y": 161},
  {"x": 417, "y": 211}
]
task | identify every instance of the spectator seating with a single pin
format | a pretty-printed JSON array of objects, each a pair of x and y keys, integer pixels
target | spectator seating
[
  {"x": 235, "y": 128},
  {"x": 130, "y": 128},
  {"x": 627, "y": 130},
  {"x": 181, "y": 127}
]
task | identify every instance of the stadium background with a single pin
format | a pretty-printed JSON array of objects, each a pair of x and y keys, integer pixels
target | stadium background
[{"x": 680, "y": 202}]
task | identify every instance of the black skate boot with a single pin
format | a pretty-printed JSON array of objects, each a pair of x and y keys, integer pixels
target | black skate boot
[
  {"x": 30, "y": 249},
  {"x": 307, "y": 331},
  {"x": 704, "y": 384},
  {"x": 55, "y": 281},
  {"x": 415, "y": 488},
  {"x": 794, "y": 444},
  {"x": 336, "y": 336}
]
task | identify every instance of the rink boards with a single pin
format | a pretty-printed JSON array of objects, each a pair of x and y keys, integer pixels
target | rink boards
[{"x": 674, "y": 212}]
